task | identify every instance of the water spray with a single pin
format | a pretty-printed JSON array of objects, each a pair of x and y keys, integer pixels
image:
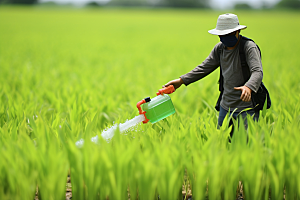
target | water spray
[{"x": 152, "y": 110}]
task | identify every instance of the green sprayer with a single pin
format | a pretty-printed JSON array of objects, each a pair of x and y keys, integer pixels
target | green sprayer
[{"x": 153, "y": 110}]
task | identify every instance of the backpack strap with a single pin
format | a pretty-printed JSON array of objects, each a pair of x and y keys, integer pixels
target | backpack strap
[
  {"x": 245, "y": 67},
  {"x": 221, "y": 79},
  {"x": 244, "y": 64}
]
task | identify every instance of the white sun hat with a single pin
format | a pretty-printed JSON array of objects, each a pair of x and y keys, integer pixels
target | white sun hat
[{"x": 227, "y": 23}]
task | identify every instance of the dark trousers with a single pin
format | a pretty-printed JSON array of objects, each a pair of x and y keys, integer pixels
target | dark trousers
[{"x": 235, "y": 115}]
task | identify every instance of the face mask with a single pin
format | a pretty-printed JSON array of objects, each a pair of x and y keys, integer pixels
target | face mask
[{"x": 229, "y": 40}]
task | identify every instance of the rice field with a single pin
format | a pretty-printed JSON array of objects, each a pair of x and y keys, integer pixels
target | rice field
[{"x": 68, "y": 74}]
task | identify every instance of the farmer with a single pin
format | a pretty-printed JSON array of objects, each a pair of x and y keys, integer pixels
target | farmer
[{"x": 236, "y": 95}]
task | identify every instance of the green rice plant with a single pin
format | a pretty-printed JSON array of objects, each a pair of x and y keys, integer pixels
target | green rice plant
[
  {"x": 170, "y": 171},
  {"x": 52, "y": 162},
  {"x": 197, "y": 171},
  {"x": 69, "y": 74},
  {"x": 18, "y": 168},
  {"x": 75, "y": 158}
]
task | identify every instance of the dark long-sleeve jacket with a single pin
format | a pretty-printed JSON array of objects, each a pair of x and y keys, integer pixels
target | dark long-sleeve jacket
[{"x": 232, "y": 73}]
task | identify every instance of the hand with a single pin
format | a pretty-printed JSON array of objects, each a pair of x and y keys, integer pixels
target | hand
[
  {"x": 246, "y": 93},
  {"x": 176, "y": 83}
]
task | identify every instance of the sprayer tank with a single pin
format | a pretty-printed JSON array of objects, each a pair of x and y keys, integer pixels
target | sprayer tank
[{"x": 159, "y": 108}]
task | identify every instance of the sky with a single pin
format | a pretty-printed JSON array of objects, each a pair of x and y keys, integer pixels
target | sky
[{"x": 216, "y": 4}]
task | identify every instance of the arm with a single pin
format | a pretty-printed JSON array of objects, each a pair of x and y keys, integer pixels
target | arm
[
  {"x": 199, "y": 72},
  {"x": 206, "y": 67},
  {"x": 255, "y": 66},
  {"x": 254, "y": 62}
]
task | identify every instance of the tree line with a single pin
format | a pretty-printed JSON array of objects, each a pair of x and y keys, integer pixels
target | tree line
[
  {"x": 291, "y": 4},
  {"x": 19, "y": 1}
]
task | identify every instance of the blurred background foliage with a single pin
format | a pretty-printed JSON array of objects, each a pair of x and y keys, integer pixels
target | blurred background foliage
[
  {"x": 281, "y": 4},
  {"x": 18, "y": 1}
]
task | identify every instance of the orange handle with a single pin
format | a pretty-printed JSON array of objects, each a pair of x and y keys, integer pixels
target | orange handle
[
  {"x": 141, "y": 112},
  {"x": 138, "y": 105},
  {"x": 167, "y": 90}
]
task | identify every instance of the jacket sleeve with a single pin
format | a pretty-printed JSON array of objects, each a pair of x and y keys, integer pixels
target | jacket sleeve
[
  {"x": 206, "y": 67},
  {"x": 255, "y": 66}
]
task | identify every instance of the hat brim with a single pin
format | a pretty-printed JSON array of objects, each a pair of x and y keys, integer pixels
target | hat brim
[{"x": 227, "y": 31}]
